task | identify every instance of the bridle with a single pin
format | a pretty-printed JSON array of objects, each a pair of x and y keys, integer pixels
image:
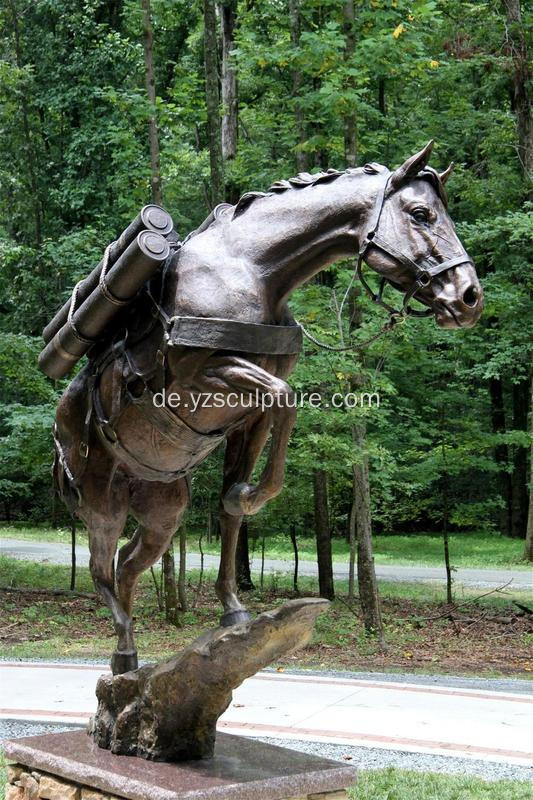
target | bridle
[{"x": 423, "y": 273}]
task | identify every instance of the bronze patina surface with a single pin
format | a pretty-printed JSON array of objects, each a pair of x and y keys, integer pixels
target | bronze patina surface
[
  {"x": 169, "y": 712},
  {"x": 241, "y": 265}
]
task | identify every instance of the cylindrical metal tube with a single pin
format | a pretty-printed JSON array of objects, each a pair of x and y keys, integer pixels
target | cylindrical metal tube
[
  {"x": 152, "y": 218},
  {"x": 122, "y": 282}
]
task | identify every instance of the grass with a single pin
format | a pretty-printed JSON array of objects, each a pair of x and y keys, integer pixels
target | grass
[
  {"x": 419, "y": 635},
  {"x": 471, "y": 549},
  {"x": 395, "y": 784},
  {"x": 3, "y": 775}
]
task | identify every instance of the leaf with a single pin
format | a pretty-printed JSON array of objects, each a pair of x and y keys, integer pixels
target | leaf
[{"x": 397, "y": 32}]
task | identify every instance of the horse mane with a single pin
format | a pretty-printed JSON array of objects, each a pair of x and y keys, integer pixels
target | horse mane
[
  {"x": 299, "y": 181},
  {"x": 304, "y": 179}
]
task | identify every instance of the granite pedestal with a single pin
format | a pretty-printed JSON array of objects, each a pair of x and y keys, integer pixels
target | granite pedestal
[{"x": 70, "y": 766}]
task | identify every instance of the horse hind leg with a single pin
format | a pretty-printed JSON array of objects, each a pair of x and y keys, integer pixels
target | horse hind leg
[
  {"x": 103, "y": 540},
  {"x": 158, "y": 508}
]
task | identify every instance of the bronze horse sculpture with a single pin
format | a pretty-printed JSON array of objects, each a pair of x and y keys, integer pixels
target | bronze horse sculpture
[{"x": 220, "y": 324}]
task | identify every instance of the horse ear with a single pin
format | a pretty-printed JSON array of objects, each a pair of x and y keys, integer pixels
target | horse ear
[
  {"x": 446, "y": 174},
  {"x": 411, "y": 167}
]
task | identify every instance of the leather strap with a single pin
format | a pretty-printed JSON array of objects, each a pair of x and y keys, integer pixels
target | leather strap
[
  {"x": 228, "y": 334},
  {"x": 423, "y": 272}
]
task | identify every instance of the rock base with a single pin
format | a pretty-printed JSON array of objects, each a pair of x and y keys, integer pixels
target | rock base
[
  {"x": 169, "y": 712},
  {"x": 69, "y": 766}
]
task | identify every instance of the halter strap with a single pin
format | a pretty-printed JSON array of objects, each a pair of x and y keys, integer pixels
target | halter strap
[{"x": 423, "y": 272}]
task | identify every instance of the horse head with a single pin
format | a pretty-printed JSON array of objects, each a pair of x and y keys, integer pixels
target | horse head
[{"x": 410, "y": 240}]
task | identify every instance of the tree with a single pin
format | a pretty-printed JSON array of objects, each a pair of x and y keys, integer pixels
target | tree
[
  {"x": 350, "y": 133},
  {"x": 517, "y": 45},
  {"x": 153, "y": 137},
  {"x": 242, "y": 559},
  {"x": 323, "y": 534},
  {"x": 212, "y": 99},
  {"x": 228, "y": 80},
  {"x": 366, "y": 573},
  {"x": 299, "y": 116},
  {"x": 528, "y": 547},
  {"x": 170, "y": 594}
]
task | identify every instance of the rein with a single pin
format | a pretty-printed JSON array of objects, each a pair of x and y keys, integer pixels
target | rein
[{"x": 393, "y": 320}]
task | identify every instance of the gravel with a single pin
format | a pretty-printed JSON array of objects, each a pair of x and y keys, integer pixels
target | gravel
[
  {"x": 514, "y": 685},
  {"x": 16, "y": 728},
  {"x": 376, "y": 758}
]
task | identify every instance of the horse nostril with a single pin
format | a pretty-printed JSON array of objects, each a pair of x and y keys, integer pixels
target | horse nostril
[{"x": 470, "y": 296}]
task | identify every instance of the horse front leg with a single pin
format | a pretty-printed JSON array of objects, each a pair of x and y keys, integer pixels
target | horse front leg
[
  {"x": 242, "y": 451},
  {"x": 245, "y": 498}
]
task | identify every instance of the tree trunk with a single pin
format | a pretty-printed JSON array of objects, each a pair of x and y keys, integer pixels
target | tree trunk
[
  {"x": 294, "y": 543},
  {"x": 323, "y": 534},
  {"x": 242, "y": 560},
  {"x": 366, "y": 573},
  {"x": 209, "y": 524},
  {"x": 501, "y": 452},
  {"x": 297, "y": 81},
  {"x": 28, "y": 144},
  {"x": 182, "y": 574},
  {"x": 521, "y": 99},
  {"x": 153, "y": 138},
  {"x": 445, "y": 538},
  {"x": 213, "y": 103},
  {"x": 528, "y": 548},
  {"x": 262, "y": 576},
  {"x": 169, "y": 586},
  {"x": 350, "y": 132},
  {"x": 230, "y": 102},
  {"x": 519, "y": 473},
  {"x": 352, "y": 538},
  {"x": 382, "y": 101},
  {"x": 72, "y": 555}
]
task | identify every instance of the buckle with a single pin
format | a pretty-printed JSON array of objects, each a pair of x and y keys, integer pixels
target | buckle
[
  {"x": 109, "y": 433},
  {"x": 84, "y": 450},
  {"x": 423, "y": 278}
]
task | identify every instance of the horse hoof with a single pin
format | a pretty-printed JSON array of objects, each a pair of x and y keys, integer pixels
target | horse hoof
[
  {"x": 236, "y": 500},
  {"x": 124, "y": 661},
  {"x": 234, "y": 618}
]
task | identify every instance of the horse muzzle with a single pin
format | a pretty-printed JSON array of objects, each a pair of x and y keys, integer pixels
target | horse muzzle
[{"x": 459, "y": 304}]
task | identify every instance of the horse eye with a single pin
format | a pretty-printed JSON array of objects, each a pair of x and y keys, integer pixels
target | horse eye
[{"x": 419, "y": 215}]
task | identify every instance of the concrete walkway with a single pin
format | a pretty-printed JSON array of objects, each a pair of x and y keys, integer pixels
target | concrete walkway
[
  {"x": 417, "y": 718},
  {"x": 59, "y": 553}
]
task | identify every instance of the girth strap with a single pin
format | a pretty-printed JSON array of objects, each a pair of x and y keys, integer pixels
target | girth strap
[{"x": 228, "y": 334}]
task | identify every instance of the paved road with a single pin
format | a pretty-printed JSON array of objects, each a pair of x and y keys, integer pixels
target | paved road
[
  {"x": 418, "y": 718},
  {"x": 59, "y": 553}
]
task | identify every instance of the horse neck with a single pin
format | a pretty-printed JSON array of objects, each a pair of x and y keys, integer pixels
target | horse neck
[{"x": 304, "y": 230}]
